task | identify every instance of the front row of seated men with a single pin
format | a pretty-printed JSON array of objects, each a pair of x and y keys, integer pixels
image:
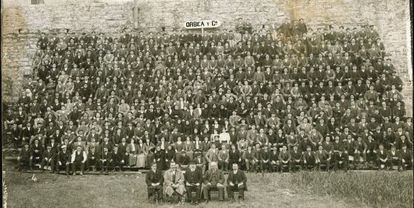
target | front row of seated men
[
  {"x": 193, "y": 184},
  {"x": 78, "y": 160}
]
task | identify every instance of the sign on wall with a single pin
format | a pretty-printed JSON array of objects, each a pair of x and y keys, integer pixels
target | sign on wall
[{"x": 202, "y": 24}]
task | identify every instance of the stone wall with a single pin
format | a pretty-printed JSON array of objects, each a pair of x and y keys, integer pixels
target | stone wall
[{"x": 391, "y": 18}]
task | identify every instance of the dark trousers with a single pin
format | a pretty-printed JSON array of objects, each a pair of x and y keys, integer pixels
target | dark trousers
[
  {"x": 117, "y": 164},
  {"x": 395, "y": 162},
  {"x": 78, "y": 165},
  {"x": 381, "y": 163},
  {"x": 235, "y": 188},
  {"x": 341, "y": 164},
  {"x": 407, "y": 164},
  {"x": 325, "y": 163},
  {"x": 25, "y": 164},
  {"x": 208, "y": 188},
  {"x": 296, "y": 165},
  {"x": 264, "y": 166},
  {"x": 310, "y": 165},
  {"x": 190, "y": 190},
  {"x": 63, "y": 166},
  {"x": 286, "y": 166},
  {"x": 104, "y": 165},
  {"x": 91, "y": 164},
  {"x": 223, "y": 165},
  {"x": 50, "y": 163},
  {"x": 155, "y": 193}
]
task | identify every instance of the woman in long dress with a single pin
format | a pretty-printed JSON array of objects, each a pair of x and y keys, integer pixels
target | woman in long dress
[
  {"x": 132, "y": 153},
  {"x": 142, "y": 151}
]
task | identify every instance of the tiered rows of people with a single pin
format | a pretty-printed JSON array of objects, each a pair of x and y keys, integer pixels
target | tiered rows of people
[{"x": 291, "y": 87}]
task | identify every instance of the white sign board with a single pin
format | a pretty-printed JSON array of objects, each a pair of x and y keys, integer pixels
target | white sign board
[{"x": 201, "y": 24}]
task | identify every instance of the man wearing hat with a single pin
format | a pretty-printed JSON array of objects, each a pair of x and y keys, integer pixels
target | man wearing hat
[
  {"x": 48, "y": 161},
  {"x": 193, "y": 179},
  {"x": 63, "y": 160}
]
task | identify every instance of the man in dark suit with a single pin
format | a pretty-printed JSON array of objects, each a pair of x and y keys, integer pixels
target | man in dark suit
[
  {"x": 406, "y": 157},
  {"x": 24, "y": 158},
  {"x": 105, "y": 160},
  {"x": 118, "y": 160},
  {"x": 236, "y": 182},
  {"x": 63, "y": 160},
  {"x": 382, "y": 158},
  {"x": 48, "y": 161},
  {"x": 265, "y": 158},
  {"x": 193, "y": 179},
  {"x": 154, "y": 180},
  {"x": 309, "y": 159}
]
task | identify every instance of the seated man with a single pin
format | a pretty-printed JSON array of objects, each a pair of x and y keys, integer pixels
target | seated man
[
  {"x": 265, "y": 158},
  {"x": 63, "y": 161},
  {"x": 250, "y": 159},
  {"x": 284, "y": 159},
  {"x": 117, "y": 159},
  {"x": 322, "y": 158},
  {"x": 296, "y": 158},
  {"x": 36, "y": 154},
  {"x": 394, "y": 158},
  {"x": 274, "y": 159},
  {"x": 79, "y": 158},
  {"x": 382, "y": 158},
  {"x": 154, "y": 180},
  {"x": 92, "y": 159},
  {"x": 174, "y": 182},
  {"x": 213, "y": 179},
  {"x": 105, "y": 160},
  {"x": 236, "y": 182},
  {"x": 406, "y": 157},
  {"x": 193, "y": 179},
  {"x": 24, "y": 160},
  {"x": 48, "y": 162},
  {"x": 309, "y": 159}
]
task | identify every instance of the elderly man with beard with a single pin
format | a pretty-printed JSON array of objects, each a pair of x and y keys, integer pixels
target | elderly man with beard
[{"x": 213, "y": 180}]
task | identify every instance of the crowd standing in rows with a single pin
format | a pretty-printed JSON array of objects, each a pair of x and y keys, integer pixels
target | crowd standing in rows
[{"x": 273, "y": 100}]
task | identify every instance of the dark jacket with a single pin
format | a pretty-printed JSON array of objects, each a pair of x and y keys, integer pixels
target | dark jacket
[
  {"x": 237, "y": 178},
  {"x": 193, "y": 177},
  {"x": 154, "y": 177}
]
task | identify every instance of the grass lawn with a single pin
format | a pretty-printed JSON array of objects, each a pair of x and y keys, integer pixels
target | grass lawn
[{"x": 129, "y": 190}]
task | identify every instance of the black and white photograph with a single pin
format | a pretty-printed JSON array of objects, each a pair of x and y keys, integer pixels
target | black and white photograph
[{"x": 207, "y": 103}]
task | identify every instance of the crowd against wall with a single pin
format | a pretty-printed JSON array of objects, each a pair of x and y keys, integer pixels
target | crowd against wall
[{"x": 270, "y": 100}]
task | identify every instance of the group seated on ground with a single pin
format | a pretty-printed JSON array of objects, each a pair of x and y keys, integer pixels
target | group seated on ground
[{"x": 271, "y": 100}]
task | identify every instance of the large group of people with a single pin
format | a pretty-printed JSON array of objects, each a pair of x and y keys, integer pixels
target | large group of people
[{"x": 287, "y": 99}]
